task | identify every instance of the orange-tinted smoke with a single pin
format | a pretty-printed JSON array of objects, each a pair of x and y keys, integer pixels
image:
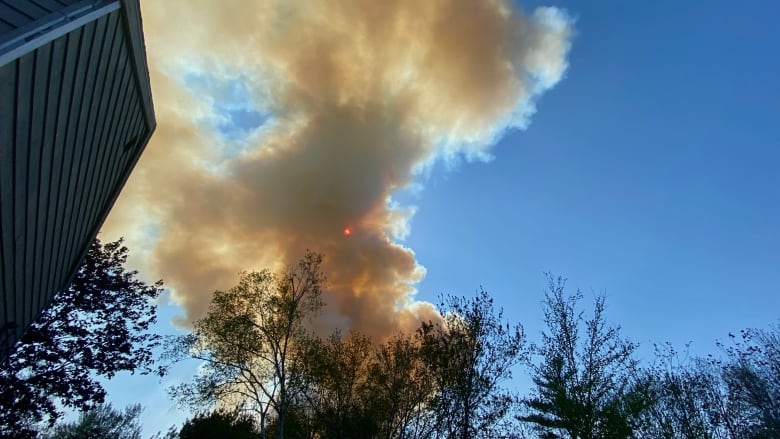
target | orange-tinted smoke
[{"x": 362, "y": 95}]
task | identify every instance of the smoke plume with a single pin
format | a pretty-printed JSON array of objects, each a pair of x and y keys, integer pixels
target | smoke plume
[{"x": 358, "y": 99}]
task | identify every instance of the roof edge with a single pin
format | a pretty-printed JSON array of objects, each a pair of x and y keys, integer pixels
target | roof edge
[
  {"x": 135, "y": 39},
  {"x": 50, "y": 27}
]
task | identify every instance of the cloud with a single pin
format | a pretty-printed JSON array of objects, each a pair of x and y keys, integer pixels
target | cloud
[{"x": 361, "y": 96}]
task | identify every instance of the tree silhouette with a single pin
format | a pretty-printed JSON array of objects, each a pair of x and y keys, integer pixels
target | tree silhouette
[
  {"x": 585, "y": 386},
  {"x": 471, "y": 353},
  {"x": 219, "y": 424},
  {"x": 102, "y": 422},
  {"x": 97, "y": 326}
]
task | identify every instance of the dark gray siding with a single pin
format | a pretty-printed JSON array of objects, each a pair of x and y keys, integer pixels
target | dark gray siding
[
  {"x": 16, "y": 14},
  {"x": 75, "y": 114}
]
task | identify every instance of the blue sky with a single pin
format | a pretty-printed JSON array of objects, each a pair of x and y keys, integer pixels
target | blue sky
[{"x": 649, "y": 174}]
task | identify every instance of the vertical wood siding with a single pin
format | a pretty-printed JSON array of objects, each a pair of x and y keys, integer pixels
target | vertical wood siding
[{"x": 75, "y": 115}]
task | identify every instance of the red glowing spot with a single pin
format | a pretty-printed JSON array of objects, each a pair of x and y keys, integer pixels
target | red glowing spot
[{"x": 347, "y": 231}]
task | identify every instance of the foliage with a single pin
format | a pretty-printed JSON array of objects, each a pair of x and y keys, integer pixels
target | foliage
[
  {"x": 102, "y": 422},
  {"x": 353, "y": 387},
  {"x": 248, "y": 341},
  {"x": 258, "y": 357},
  {"x": 752, "y": 377},
  {"x": 336, "y": 377},
  {"x": 585, "y": 387},
  {"x": 682, "y": 391},
  {"x": 219, "y": 424},
  {"x": 171, "y": 433},
  {"x": 736, "y": 397},
  {"x": 446, "y": 379},
  {"x": 470, "y": 353},
  {"x": 97, "y": 326},
  {"x": 402, "y": 388}
]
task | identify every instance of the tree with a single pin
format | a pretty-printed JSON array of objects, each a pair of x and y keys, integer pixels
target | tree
[
  {"x": 355, "y": 388},
  {"x": 470, "y": 353},
  {"x": 402, "y": 389},
  {"x": 97, "y": 326},
  {"x": 336, "y": 378},
  {"x": 586, "y": 388},
  {"x": 219, "y": 424},
  {"x": 249, "y": 339},
  {"x": 733, "y": 397},
  {"x": 682, "y": 393},
  {"x": 102, "y": 422},
  {"x": 751, "y": 374}
]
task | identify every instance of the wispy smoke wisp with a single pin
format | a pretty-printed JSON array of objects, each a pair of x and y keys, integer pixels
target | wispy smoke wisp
[{"x": 361, "y": 96}]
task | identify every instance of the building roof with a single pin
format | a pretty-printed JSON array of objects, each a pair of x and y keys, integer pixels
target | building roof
[{"x": 75, "y": 115}]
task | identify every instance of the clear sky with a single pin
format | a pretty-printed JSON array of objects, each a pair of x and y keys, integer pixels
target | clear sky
[{"x": 650, "y": 174}]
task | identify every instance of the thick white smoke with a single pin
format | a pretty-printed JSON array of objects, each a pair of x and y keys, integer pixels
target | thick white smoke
[{"x": 361, "y": 96}]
